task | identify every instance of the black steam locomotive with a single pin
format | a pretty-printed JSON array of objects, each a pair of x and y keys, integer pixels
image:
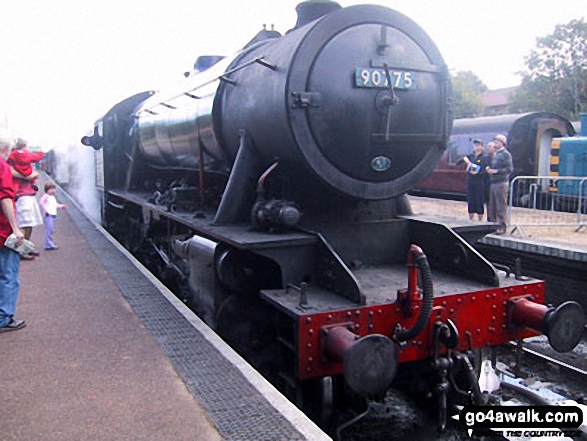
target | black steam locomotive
[{"x": 270, "y": 194}]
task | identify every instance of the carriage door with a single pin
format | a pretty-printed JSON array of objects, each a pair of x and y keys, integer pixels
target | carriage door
[{"x": 547, "y": 130}]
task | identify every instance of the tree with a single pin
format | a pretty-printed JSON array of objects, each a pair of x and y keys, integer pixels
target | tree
[
  {"x": 556, "y": 76},
  {"x": 467, "y": 90}
]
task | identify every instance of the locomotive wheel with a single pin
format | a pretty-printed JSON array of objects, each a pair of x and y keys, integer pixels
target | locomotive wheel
[
  {"x": 318, "y": 400},
  {"x": 243, "y": 321}
]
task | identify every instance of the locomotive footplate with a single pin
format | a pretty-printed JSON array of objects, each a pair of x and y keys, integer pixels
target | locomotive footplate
[
  {"x": 293, "y": 300},
  {"x": 238, "y": 235}
]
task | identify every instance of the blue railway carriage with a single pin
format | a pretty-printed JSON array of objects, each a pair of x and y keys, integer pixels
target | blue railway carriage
[{"x": 569, "y": 159}]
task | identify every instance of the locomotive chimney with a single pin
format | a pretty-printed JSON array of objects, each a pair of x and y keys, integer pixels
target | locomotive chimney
[{"x": 313, "y": 9}]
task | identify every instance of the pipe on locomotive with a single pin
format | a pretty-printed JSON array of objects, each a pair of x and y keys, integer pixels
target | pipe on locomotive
[
  {"x": 270, "y": 213},
  {"x": 309, "y": 11},
  {"x": 417, "y": 257}
]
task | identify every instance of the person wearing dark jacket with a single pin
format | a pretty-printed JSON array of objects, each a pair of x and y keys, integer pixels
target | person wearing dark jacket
[
  {"x": 501, "y": 168},
  {"x": 477, "y": 163}
]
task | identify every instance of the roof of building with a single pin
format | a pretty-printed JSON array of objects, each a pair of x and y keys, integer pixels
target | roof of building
[{"x": 497, "y": 97}]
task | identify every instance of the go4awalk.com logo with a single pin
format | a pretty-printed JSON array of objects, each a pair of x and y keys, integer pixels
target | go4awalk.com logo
[{"x": 523, "y": 421}]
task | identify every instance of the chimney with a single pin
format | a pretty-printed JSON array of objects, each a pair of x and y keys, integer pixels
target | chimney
[{"x": 313, "y": 9}]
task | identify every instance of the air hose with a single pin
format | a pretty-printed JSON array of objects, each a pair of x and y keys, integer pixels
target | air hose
[{"x": 417, "y": 256}]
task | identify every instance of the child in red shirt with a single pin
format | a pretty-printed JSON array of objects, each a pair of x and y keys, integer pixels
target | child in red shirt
[{"x": 21, "y": 159}]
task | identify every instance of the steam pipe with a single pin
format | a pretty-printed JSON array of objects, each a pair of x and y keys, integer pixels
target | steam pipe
[
  {"x": 261, "y": 182},
  {"x": 239, "y": 194}
]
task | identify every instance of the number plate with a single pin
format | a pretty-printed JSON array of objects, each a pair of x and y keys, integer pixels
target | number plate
[{"x": 373, "y": 77}]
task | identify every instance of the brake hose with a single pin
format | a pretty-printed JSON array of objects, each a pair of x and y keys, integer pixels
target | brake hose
[{"x": 418, "y": 257}]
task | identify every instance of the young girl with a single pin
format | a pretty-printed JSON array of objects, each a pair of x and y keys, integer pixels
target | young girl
[{"x": 50, "y": 206}]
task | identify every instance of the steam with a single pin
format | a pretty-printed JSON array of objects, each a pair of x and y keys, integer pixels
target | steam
[{"x": 74, "y": 169}]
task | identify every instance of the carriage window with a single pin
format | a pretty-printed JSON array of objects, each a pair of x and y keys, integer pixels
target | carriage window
[{"x": 453, "y": 152}]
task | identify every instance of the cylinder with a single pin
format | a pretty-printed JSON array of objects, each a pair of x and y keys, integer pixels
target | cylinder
[{"x": 529, "y": 314}]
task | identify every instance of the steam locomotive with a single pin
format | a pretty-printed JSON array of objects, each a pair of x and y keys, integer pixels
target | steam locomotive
[{"x": 270, "y": 194}]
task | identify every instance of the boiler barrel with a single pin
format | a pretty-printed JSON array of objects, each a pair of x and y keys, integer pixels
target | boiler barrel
[
  {"x": 357, "y": 100},
  {"x": 173, "y": 126}
]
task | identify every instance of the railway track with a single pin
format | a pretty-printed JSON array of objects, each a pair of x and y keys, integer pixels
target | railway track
[
  {"x": 565, "y": 367},
  {"x": 551, "y": 376}
]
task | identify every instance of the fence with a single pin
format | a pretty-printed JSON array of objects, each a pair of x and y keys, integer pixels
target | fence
[{"x": 547, "y": 201}]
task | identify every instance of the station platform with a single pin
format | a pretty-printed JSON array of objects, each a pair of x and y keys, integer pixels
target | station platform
[
  {"x": 108, "y": 353},
  {"x": 564, "y": 242}
]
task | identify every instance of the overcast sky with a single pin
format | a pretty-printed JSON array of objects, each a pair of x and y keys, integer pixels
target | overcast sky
[{"x": 64, "y": 63}]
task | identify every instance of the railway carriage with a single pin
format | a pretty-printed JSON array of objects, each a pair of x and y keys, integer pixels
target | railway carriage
[{"x": 530, "y": 136}]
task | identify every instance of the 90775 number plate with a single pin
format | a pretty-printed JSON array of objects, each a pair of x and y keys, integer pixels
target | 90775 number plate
[{"x": 373, "y": 77}]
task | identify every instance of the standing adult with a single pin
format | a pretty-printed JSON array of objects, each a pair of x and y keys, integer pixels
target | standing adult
[
  {"x": 9, "y": 259},
  {"x": 501, "y": 168},
  {"x": 477, "y": 163},
  {"x": 28, "y": 212},
  {"x": 490, "y": 148}
]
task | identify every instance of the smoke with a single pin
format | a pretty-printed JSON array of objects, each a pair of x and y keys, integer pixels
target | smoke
[{"x": 74, "y": 169}]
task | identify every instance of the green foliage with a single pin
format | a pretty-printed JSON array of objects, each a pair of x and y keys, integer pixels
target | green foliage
[
  {"x": 556, "y": 76},
  {"x": 467, "y": 91}
]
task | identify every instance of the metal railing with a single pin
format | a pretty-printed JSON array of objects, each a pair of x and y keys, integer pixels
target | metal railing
[{"x": 547, "y": 201}]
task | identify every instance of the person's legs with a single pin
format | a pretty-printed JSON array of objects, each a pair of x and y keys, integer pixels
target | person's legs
[
  {"x": 27, "y": 232},
  {"x": 474, "y": 198},
  {"x": 501, "y": 204},
  {"x": 49, "y": 228},
  {"x": 28, "y": 215},
  {"x": 491, "y": 205},
  {"x": 477, "y": 204},
  {"x": 9, "y": 284},
  {"x": 469, "y": 199}
]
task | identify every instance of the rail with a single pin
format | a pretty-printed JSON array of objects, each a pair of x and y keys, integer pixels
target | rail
[{"x": 547, "y": 201}]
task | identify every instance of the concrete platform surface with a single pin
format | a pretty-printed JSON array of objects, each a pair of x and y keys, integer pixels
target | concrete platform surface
[{"x": 85, "y": 367}]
